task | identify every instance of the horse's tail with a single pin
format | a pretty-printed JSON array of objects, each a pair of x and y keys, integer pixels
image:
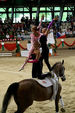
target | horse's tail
[{"x": 10, "y": 92}]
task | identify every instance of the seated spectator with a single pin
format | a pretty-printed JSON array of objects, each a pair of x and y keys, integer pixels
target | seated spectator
[
  {"x": 22, "y": 35},
  {"x": 11, "y": 35},
  {"x": 63, "y": 32},
  {"x": 74, "y": 32},
  {"x": 67, "y": 31},
  {"x": 22, "y": 30},
  {"x": 7, "y": 36},
  {"x": 18, "y": 29},
  {"x": 70, "y": 32},
  {"x": 18, "y": 35}
]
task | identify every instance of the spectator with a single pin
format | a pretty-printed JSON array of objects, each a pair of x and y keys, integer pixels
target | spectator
[{"x": 7, "y": 36}]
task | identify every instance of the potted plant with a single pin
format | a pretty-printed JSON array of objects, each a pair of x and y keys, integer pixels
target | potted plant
[{"x": 17, "y": 49}]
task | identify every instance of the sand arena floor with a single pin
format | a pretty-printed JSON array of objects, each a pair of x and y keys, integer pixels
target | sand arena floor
[{"x": 9, "y": 73}]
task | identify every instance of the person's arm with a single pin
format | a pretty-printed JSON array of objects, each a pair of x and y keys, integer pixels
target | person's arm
[
  {"x": 50, "y": 24},
  {"x": 46, "y": 32},
  {"x": 39, "y": 26}
]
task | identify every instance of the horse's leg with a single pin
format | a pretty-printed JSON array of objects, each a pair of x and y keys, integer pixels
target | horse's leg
[
  {"x": 23, "y": 105},
  {"x": 62, "y": 104},
  {"x": 21, "y": 110},
  {"x": 18, "y": 110},
  {"x": 56, "y": 105},
  {"x": 57, "y": 99}
]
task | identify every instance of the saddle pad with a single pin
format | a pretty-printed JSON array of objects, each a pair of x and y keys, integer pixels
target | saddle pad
[{"x": 45, "y": 82}]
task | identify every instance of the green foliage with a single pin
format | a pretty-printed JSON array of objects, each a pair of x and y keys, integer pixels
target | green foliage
[
  {"x": 54, "y": 49},
  {"x": 62, "y": 44},
  {"x": 49, "y": 45},
  {"x": 2, "y": 47},
  {"x": 18, "y": 48}
]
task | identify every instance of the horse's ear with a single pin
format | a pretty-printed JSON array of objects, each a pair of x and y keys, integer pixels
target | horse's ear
[{"x": 62, "y": 62}]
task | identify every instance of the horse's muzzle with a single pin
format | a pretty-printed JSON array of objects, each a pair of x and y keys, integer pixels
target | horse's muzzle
[{"x": 63, "y": 78}]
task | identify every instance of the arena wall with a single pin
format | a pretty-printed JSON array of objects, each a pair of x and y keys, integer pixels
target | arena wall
[{"x": 69, "y": 41}]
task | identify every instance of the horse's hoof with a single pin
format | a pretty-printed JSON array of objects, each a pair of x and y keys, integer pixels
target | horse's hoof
[{"x": 62, "y": 109}]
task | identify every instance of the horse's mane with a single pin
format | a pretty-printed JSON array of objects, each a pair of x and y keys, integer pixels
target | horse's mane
[{"x": 55, "y": 65}]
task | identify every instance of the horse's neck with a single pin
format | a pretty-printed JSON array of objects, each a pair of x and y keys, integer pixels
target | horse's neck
[
  {"x": 56, "y": 72},
  {"x": 54, "y": 76}
]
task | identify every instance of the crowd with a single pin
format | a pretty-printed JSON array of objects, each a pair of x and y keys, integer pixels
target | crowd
[{"x": 9, "y": 30}]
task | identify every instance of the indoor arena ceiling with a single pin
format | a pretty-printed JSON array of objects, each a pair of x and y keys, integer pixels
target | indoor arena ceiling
[{"x": 35, "y": 3}]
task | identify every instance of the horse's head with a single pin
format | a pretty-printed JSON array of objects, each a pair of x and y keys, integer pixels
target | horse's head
[{"x": 59, "y": 70}]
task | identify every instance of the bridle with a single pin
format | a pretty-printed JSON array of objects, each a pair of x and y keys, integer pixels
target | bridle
[{"x": 60, "y": 72}]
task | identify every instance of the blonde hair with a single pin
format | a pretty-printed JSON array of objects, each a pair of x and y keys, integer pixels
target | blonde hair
[
  {"x": 37, "y": 50},
  {"x": 34, "y": 28}
]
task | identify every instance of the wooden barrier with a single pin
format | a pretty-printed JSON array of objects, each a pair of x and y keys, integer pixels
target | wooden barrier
[
  {"x": 24, "y": 43},
  {"x": 67, "y": 40}
]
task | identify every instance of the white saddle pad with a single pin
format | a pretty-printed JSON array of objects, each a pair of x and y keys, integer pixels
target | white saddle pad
[{"x": 45, "y": 82}]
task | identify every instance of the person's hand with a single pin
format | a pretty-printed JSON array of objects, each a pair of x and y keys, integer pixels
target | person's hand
[
  {"x": 42, "y": 17},
  {"x": 56, "y": 18}
]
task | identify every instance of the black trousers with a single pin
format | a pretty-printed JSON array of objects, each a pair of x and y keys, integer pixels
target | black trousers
[
  {"x": 36, "y": 69},
  {"x": 45, "y": 57}
]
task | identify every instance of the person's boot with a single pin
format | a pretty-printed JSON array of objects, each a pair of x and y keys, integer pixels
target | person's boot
[{"x": 43, "y": 75}]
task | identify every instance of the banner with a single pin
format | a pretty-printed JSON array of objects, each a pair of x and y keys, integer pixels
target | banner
[{"x": 10, "y": 47}]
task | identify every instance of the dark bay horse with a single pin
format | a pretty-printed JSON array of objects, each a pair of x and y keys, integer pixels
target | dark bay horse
[{"x": 28, "y": 90}]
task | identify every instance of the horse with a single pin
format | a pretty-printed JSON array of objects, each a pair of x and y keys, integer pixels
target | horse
[{"x": 28, "y": 90}]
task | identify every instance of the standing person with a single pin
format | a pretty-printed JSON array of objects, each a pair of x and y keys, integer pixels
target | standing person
[
  {"x": 35, "y": 36},
  {"x": 37, "y": 67},
  {"x": 35, "y": 48},
  {"x": 45, "y": 49}
]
